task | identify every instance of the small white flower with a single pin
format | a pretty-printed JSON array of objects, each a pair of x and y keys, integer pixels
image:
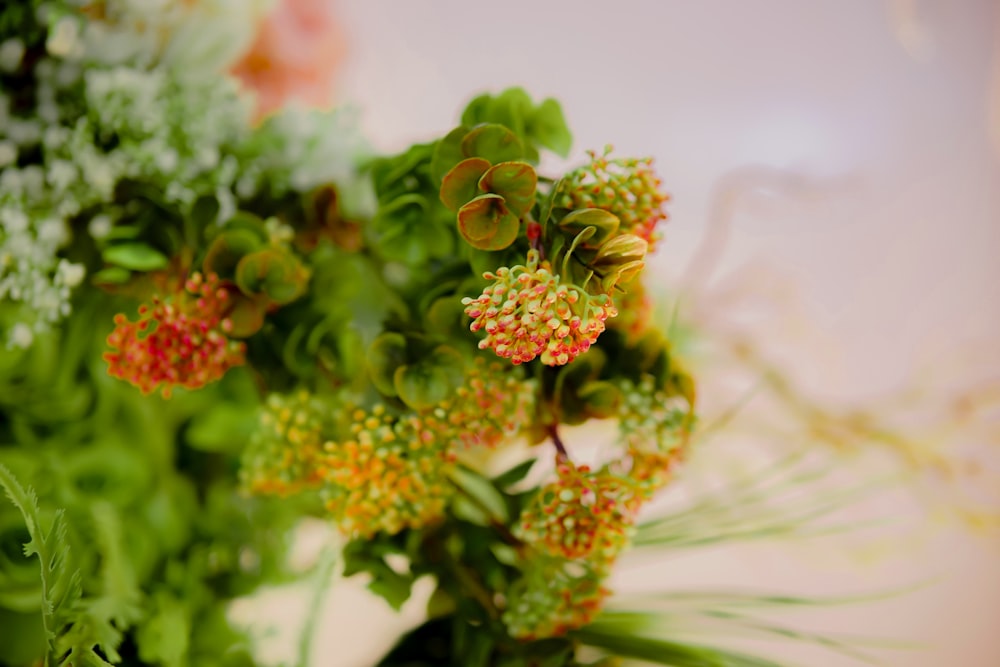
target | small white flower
[
  {"x": 8, "y": 153},
  {"x": 11, "y": 53},
  {"x": 99, "y": 226},
  {"x": 63, "y": 38},
  {"x": 72, "y": 274},
  {"x": 21, "y": 335}
]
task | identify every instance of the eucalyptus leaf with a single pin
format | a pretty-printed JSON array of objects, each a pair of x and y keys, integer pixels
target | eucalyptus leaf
[{"x": 135, "y": 256}]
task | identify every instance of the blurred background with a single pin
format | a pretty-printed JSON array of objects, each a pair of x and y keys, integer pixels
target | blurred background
[{"x": 833, "y": 259}]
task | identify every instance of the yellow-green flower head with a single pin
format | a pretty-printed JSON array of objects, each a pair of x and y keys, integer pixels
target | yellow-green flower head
[
  {"x": 530, "y": 312},
  {"x": 282, "y": 456},
  {"x": 582, "y": 514},
  {"x": 390, "y": 474}
]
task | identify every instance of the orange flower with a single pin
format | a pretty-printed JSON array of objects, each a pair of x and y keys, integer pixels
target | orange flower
[{"x": 294, "y": 56}]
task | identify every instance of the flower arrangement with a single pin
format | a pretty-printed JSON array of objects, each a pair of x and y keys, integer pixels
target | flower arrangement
[{"x": 221, "y": 316}]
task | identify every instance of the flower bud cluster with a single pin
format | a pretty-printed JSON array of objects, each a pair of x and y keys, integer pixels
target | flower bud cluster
[
  {"x": 177, "y": 342},
  {"x": 553, "y": 598},
  {"x": 578, "y": 525},
  {"x": 490, "y": 407},
  {"x": 389, "y": 474},
  {"x": 582, "y": 514},
  {"x": 654, "y": 428},
  {"x": 282, "y": 455},
  {"x": 529, "y": 312},
  {"x": 626, "y": 187}
]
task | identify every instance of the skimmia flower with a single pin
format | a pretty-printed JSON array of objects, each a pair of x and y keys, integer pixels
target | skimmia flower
[
  {"x": 582, "y": 514},
  {"x": 390, "y": 474},
  {"x": 554, "y": 597},
  {"x": 627, "y": 187},
  {"x": 490, "y": 407},
  {"x": 530, "y": 312},
  {"x": 281, "y": 457},
  {"x": 180, "y": 341}
]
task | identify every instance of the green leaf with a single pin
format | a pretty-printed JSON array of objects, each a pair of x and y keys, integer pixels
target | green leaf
[
  {"x": 481, "y": 491},
  {"x": 113, "y": 275},
  {"x": 487, "y": 224},
  {"x": 462, "y": 183},
  {"x": 514, "y": 475},
  {"x": 228, "y": 249},
  {"x": 602, "y": 399},
  {"x": 515, "y": 182},
  {"x": 605, "y": 225},
  {"x": 135, "y": 256},
  {"x": 494, "y": 142},
  {"x": 620, "y": 641},
  {"x": 224, "y": 428},
  {"x": 431, "y": 380},
  {"x": 447, "y": 153},
  {"x": 547, "y": 126},
  {"x": 385, "y": 355},
  {"x": 272, "y": 272}
]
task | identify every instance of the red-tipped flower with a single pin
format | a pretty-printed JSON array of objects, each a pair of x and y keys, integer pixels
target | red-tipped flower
[
  {"x": 176, "y": 342},
  {"x": 529, "y": 312}
]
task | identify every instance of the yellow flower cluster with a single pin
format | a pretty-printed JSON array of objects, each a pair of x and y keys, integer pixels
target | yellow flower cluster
[
  {"x": 282, "y": 456},
  {"x": 390, "y": 474}
]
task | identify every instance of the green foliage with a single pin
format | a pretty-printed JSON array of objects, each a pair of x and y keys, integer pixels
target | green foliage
[{"x": 538, "y": 126}]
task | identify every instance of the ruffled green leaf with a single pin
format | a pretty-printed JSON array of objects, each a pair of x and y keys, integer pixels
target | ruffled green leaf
[
  {"x": 386, "y": 354},
  {"x": 547, "y": 126},
  {"x": 462, "y": 183},
  {"x": 430, "y": 380},
  {"x": 447, "y": 153},
  {"x": 515, "y": 182},
  {"x": 494, "y": 142},
  {"x": 487, "y": 224}
]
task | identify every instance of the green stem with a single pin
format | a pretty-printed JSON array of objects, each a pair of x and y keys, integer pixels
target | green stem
[{"x": 324, "y": 577}]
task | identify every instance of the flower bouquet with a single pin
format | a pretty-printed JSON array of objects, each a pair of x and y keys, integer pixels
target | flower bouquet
[{"x": 218, "y": 323}]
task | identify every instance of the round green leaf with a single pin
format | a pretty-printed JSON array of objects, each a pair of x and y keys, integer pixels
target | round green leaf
[
  {"x": 272, "y": 272},
  {"x": 494, "y": 142},
  {"x": 386, "y": 354},
  {"x": 487, "y": 224},
  {"x": 547, "y": 126},
  {"x": 461, "y": 183},
  {"x": 515, "y": 182},
  {"x": 448, "y": 153},
  {"x": 431, "y": 380},
  {"x": 227, "y": 250}
]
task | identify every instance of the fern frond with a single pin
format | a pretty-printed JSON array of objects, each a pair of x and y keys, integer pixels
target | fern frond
[
  {"x": 61, "y": 587},
  {"x": 76, "y": 628}
]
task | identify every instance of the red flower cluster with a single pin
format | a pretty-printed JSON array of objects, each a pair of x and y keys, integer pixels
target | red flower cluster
[
  {"x": 529, "y": 312},
  {"x": 178, "y": 342}
]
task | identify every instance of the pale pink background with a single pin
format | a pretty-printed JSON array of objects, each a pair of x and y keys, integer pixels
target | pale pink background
[{"x": 853, "y": 146}]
